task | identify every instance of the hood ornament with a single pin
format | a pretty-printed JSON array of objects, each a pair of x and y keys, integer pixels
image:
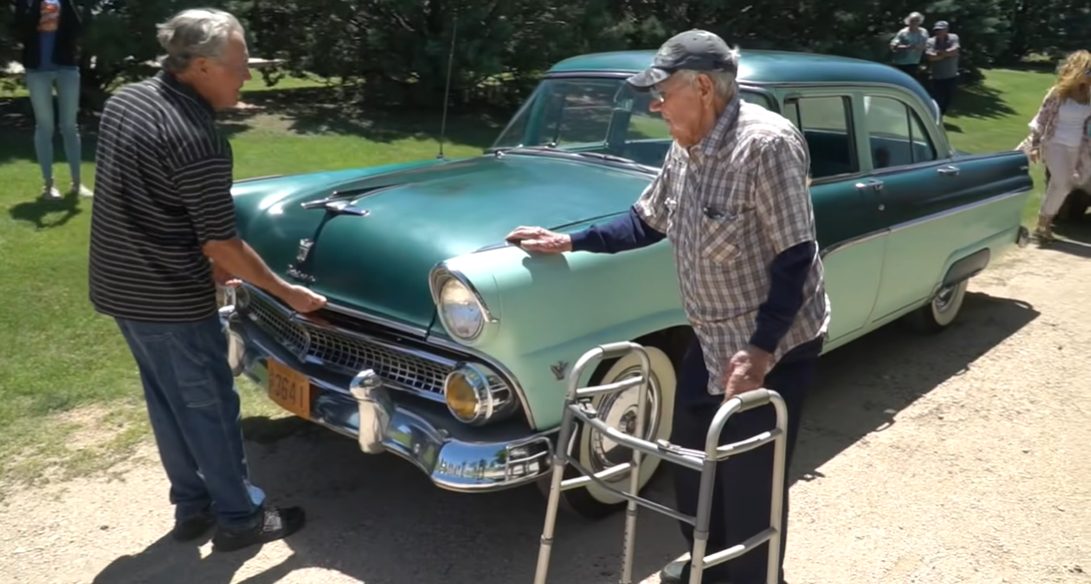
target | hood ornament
[{"x": 302, "y": 255}]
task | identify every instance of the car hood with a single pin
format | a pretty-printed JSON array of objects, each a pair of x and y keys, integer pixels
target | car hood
[{"x": 372, "y": 247}]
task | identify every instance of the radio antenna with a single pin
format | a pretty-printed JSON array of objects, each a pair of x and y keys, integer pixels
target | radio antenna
[{"x": 447, "y": 90}]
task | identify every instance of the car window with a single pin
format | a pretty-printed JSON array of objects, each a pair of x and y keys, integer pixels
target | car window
[
  {"x": 595, "y": 114},
  {"x": 896, "y": 135},
  {"x": 826, "y": 123},
  {"x": 578, "y": 111},
  {"x": 649, "y": 138},
  {"x": 645, "y": 125}
]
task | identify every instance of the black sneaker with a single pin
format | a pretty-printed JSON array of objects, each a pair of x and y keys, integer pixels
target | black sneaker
[
  {"x": 274, "y": 524},
  {"x": 192, "y": 527}
]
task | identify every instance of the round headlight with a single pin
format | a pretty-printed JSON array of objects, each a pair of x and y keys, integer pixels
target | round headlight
[
  {"x": 466, "y": 392},
  {"x": 462, "y": 314}
]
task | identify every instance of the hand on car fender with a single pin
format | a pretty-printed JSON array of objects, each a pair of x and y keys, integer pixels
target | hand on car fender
[
  {"x": 539, "y": 239},
  {"x": 303, "y": 300},
  {"x": 746, "y": 371}
]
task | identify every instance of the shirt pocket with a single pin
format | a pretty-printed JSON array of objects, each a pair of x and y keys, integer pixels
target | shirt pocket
[{"x": 720, "y": 232}]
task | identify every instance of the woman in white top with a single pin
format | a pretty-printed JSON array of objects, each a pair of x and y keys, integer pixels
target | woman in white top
[{"x": 1059, "y": 136}]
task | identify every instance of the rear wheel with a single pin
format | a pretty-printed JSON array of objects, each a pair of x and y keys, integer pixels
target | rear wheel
[
  {"x": 597, "y": 452},
  {"x": 941, "y": 311}
]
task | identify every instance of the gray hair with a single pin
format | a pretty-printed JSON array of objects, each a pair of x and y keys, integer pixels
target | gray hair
[
  {"x": 195, "y": 33},
  {"x": 723, "y": 82}
]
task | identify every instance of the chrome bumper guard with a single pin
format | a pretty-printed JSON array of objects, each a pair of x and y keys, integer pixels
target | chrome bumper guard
[{"x": 362, "y": 408}]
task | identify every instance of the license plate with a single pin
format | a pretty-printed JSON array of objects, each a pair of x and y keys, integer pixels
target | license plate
[{"x": 289, "y": 388}]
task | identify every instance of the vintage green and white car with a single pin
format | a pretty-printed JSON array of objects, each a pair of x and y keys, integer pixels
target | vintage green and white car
[{"x": 446, "y": 346}]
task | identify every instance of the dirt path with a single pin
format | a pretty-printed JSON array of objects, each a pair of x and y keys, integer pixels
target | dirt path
[{"x": 958, "y": 458}]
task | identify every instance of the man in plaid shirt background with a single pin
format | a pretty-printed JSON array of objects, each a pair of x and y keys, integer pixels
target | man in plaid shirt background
[{"x": 732, "y": 198}]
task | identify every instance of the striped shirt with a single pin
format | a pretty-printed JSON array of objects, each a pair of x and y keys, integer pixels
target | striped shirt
[
  {"x": 730, "y": 205},
  {"x": 162, "y": 190}
]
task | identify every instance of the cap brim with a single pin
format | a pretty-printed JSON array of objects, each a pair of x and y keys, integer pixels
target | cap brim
[{"x": 648, "y": 77}]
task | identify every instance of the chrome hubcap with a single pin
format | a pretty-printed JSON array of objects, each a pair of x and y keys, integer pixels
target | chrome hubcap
[
  {"x": 620, "y": 411},
  {"x": 943, "y": 299}
]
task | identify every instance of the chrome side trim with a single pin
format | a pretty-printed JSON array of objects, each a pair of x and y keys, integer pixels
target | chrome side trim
[
  {"x": 960, "y": 209},
  {"x": 858, "y": 240},
  {"x": 864, "y": 238}
]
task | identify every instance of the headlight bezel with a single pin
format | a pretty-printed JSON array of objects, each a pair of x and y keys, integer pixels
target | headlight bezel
[
  {"x": 442, "y": 276},
  {"x": 494, "y": 399}
]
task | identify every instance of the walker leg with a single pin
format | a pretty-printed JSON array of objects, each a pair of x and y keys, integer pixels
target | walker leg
[
  {"x": 704, "y": 517},
  {"x": 559, "y": 457},
  {"x": 634, "y": 478}
]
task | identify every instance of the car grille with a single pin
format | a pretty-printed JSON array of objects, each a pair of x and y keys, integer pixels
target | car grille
[{"x": 348, "y": 353}]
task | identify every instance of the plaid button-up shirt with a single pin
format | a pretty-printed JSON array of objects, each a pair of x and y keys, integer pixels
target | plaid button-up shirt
[{"x": 729, "y": 206}]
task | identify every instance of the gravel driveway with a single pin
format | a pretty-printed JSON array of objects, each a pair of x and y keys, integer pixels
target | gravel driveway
[{"x": 961, "y": 457}]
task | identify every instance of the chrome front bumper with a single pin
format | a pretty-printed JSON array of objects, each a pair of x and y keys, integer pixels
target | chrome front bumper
[{"x": 456, "y": 457}]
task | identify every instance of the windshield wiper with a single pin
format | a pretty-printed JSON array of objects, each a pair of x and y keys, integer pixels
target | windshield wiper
[
  {"x": 548, "y": 151},
  {"x": 610, "y": 157}
]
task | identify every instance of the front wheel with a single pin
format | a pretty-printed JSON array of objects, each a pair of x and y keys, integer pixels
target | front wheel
[
  {"x": 597, "y": 452},
  {"x": 941, "y": 311}
]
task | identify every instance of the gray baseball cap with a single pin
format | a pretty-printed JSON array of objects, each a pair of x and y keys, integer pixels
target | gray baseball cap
[
  {"x": 697, "y": 50},
  {"x": 940, "y": 25}
]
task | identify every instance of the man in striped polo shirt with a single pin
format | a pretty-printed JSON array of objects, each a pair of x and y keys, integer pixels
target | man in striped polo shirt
[{"x": 163, "y": 225}]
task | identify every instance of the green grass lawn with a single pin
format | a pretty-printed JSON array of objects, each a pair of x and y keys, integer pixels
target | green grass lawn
[{"x": 57, "y": 356}]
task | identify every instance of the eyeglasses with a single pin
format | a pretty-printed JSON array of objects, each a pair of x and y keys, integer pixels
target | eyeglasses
[{"x": 657, "y": 92}]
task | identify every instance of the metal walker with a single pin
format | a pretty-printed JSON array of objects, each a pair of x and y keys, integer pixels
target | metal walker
[{"x": 579, "y": 409}]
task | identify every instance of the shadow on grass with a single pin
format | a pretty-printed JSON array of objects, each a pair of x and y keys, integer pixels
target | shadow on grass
[
  {"x": 37, "y": 211},
  {"x": 981, "y": 102},
  {"x": 319, "y": 110}
]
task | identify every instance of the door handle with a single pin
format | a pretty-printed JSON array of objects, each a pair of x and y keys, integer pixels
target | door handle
[
  {"x": 870, "y": 185},
  {"x": 948, "y": 170}
]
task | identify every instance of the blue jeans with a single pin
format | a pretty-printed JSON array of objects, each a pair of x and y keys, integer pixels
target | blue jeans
[
  {"x": 40, "y": 85},
  {"x": 194, "y": 412}
]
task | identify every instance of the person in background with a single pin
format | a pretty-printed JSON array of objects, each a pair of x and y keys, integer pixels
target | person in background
[
  {"x": 733, "y": 200},
  {"x": 942, "y": 52},
  {"x": 162, "y": 235},
  {"x": 908, "y": 45},
  {"x": 1059, "y": 137},
  {"x": 49, "y": 32}
]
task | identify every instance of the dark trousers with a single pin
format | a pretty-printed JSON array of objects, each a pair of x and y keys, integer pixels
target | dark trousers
[
  {"x": 742, "y": 496},
  {"x": 911, "y": 70},
  {"x": 942, "y": 91}
]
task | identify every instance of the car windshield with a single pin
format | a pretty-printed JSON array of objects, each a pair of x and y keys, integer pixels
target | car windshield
[{"x": 596, "y": 115}]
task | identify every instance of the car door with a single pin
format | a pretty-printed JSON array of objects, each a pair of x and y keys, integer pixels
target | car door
[
  {"x": 850, "y": 235},
  {"x": 915, "y": 180}
]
